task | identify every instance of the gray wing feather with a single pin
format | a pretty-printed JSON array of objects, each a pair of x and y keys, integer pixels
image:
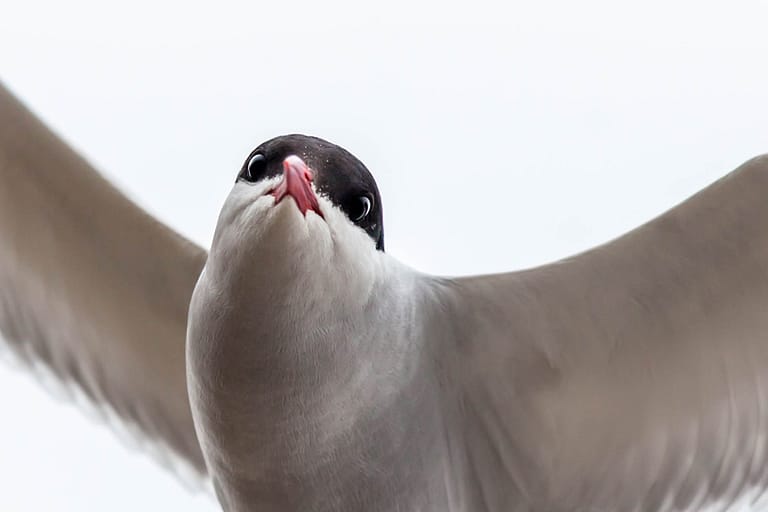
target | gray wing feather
[
  {"x": 90, "y": 285},
  {"x": 632, "y": 377}
]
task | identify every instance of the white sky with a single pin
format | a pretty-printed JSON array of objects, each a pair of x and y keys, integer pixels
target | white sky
[{"x": 502, "y": 136}]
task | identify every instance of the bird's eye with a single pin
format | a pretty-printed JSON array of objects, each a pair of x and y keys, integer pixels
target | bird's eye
[
  {"x": 254, "y": 169},
  {"x": 360, "y": 207}
]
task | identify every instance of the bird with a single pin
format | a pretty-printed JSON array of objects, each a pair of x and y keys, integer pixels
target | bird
[{"x": 299, "y": 366}]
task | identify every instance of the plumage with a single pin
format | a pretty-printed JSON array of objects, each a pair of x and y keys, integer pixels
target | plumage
[
  {"x": 326, "y": 375},
  {"x": 90, "y": 285}
]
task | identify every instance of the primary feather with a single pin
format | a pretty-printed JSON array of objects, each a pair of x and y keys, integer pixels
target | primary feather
[{"x": 91, "y": 286}]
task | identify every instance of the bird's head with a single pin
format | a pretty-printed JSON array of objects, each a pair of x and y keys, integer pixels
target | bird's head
[
  {"x": 302, "y": 206},
  {"x": 308, "y": 166}
]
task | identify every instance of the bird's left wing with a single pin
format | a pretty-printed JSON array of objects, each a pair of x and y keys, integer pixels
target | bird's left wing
[
  {"x": 632, "y": 377},
  {"x": 92, "y": 287}
]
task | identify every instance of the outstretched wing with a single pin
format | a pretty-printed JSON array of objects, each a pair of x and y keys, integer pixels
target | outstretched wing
[
  {"x": 630, "y": 377},
  {"x": 90, "y": 285}
]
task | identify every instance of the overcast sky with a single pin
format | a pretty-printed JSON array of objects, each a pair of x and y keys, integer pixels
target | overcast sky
[{"x": 502, "y": 136}]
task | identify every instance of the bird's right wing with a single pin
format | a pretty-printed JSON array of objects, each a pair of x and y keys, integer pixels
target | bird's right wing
[
  {"x": 91, "y": 286},
  {"x": 632, "y": 377}
]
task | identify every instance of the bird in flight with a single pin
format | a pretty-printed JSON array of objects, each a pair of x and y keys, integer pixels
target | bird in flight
[{"x": 300, "y": 367}]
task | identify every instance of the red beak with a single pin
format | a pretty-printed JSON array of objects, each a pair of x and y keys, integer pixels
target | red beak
[{"x": 296, "y": 182}]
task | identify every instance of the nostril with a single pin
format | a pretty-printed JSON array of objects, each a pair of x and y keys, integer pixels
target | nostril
[
  {"x": 293, "y": 163},
  {"x": 296, "y": 183}
]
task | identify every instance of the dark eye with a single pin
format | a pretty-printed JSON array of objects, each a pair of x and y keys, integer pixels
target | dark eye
[
  {"x": 359, "y": 207},
  {"x": 254, "y": 169}
]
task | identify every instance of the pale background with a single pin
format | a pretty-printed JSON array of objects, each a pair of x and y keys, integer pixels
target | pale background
[{"x": 502, "y": 136}]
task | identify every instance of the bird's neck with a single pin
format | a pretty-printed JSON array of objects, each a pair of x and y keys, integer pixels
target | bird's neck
[{"x": 296, "y": 382}]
